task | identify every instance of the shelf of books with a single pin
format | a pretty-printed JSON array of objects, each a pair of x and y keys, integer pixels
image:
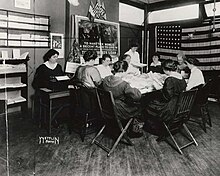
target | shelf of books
[
  {"x": 24, "y": 30},
  {"x": 13, "y": 84}
]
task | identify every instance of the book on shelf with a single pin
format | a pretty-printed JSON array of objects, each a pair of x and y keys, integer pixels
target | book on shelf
[
  {"x": 3, "y": 42},
  {"x": 12, "y": 68},
  {"x": 5, "y": 54},
  {"x": 16, "y": 100},
  {"x": 3, "y": 35},
  {"x": 16, "y": 53},
  {"x": 18, "y": 85}
]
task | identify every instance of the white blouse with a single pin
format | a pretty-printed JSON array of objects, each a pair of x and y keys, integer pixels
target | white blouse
[
  {"x": 196, "y": 78},
  {"x": 104, "y": 71}
]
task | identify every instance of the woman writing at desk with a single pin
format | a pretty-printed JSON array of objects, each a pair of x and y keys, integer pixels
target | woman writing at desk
[
  {"x": 163, "y": 106},
  {"x": 45, "y": 73},
  {"x": 48, "y": 70}
]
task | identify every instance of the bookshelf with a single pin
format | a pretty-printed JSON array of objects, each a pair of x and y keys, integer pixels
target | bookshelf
[
  {"x": 13, "y": 84},
  {"x": 22, "y": 30}
]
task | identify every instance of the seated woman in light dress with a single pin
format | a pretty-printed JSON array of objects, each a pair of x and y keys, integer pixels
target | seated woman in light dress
[
  {"x": 104, "y": 68},
  {"x": 182, "y": 67},
  {"x": 87, "y": 74},
  {"x": 196, "y": 77}
]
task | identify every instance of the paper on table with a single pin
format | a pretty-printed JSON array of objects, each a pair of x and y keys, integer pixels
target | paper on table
[
  {"x": 62, "y": 78},
  {"x": 45, "y": 89},
  {"x": 139, "y": 65}
]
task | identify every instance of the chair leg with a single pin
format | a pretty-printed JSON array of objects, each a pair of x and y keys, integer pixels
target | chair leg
[
  {"x": 209, "y": 118},
  {"x": 40, "y": 118},
  {"x": 120, "y": 136},
  {"x": 187, "y": 130},
  {"x": 84, "y": 126},
  {"x": 125, "y": 134},
  {"x": 98, "y": 134},
  {"x": 173, "y": 139},
  {"x": 203, "y": 118},
  {"x": 116, "y": 142}
]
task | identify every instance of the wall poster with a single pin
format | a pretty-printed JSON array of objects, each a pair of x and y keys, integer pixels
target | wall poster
[
  {"x": 100, "y": 35},
  {"x": 57, "y": 43}
]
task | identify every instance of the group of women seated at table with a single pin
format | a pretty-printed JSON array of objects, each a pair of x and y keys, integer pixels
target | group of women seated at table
[{"x": 154, "y": 112}]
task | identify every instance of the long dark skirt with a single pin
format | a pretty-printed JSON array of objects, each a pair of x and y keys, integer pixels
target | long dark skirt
[{"x": 157, "y": 112}]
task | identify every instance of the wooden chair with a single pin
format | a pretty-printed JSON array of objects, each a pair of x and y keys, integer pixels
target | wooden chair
[
  {"x": 200, "y": 106},
  {"x": 181, "y": 116},
  {"x": 107, "y": 105},
  {"x": 85, "y": 110}
]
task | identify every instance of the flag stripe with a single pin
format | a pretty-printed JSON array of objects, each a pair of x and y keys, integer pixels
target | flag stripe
[
  {"x": 201, "y": 49},
  {"x": 203, "y": 37},
  {"x": 199, "y": 41}
]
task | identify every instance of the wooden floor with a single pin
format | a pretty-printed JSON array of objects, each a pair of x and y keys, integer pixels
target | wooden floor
[{"x": 71, "y": 157}]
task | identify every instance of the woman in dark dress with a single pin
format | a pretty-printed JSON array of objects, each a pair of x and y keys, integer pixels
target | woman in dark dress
[
  {"x": 125, "y": 97},
  {"x": 44, "y": 74},
  {"x": 47, "y": 71},
  {"x": 162, "y": 108},
  {"x": 155, "y": 66}
]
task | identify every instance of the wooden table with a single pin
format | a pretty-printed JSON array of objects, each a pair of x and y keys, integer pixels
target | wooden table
[{"x": 49, "y": 101}]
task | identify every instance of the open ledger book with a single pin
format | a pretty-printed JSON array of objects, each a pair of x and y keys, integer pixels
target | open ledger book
[{"x": 71, "y": 67}]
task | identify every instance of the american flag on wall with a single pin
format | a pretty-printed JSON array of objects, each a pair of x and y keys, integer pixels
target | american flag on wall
[{"x": 199, "y": 41}]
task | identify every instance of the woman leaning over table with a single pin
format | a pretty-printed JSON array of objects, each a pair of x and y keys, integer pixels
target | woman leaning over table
[
  {"x": 196, "y": 77},
  {"x": 48, "y": 70},
  {"x": 124, "y": 95},
  {"x": 131, "y": 69},
  {"x": 163, "y": 106},
  {"x": 87, "y": 74}
]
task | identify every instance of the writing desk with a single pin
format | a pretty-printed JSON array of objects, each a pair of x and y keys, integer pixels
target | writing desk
[{"x": 50, "y": 101}]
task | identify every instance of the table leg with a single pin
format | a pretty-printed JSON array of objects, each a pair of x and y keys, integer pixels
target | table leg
[{"x": 50, "y": 114}]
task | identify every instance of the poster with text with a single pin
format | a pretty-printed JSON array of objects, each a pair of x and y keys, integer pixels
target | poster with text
[{"x": 100, "y": 35}]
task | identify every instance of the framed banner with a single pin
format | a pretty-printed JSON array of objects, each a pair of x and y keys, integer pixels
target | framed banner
[{"x": 100, "y": 35}]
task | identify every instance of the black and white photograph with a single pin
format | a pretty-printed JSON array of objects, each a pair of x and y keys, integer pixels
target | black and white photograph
[{"x": 109, "y": 88}]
